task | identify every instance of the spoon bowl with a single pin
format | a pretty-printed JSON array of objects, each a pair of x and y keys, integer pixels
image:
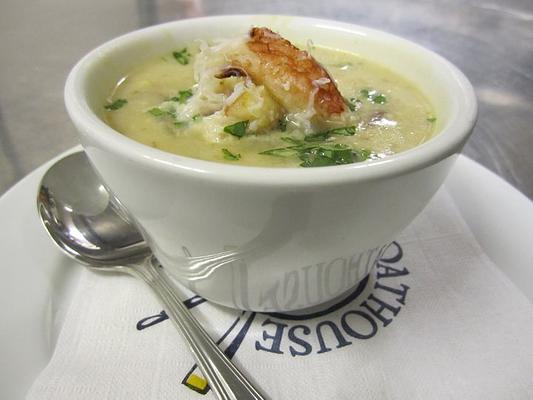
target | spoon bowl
[{"x": 85, "y": 220}]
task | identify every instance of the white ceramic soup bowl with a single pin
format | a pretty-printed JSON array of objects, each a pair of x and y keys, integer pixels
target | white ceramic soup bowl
[{"x": 269, "y": 239}]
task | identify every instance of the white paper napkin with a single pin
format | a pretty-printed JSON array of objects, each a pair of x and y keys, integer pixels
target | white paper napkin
[{"x": 435, "y": 320}]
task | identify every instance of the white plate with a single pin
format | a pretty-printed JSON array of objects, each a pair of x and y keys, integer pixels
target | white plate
[{"x": 37, "y": 281}]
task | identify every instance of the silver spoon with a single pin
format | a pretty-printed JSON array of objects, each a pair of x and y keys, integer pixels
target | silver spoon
[{"x": 89, "y": 225}]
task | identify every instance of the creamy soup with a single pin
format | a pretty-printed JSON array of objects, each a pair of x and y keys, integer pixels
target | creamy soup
[{"x": 256, "y": 104}]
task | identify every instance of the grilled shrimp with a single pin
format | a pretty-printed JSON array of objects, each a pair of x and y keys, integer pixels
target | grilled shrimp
[{"x": 293, "y": 77}]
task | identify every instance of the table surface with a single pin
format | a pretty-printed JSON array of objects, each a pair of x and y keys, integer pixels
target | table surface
[{"x": 490, "y": 41}]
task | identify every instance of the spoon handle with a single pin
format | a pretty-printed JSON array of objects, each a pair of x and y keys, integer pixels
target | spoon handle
[{"x": 226, "y": 381}]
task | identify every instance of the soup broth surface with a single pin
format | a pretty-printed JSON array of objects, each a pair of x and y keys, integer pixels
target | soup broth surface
[{"x": 385, "y": 114}]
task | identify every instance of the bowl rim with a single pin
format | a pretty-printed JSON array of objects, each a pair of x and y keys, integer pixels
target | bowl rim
[{"x": 448, "y": 141}]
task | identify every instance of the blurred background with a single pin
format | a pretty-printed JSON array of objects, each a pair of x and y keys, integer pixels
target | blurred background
[{"x": 490, "y": 41}]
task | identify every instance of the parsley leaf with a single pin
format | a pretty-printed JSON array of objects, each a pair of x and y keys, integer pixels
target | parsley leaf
[
  {"x": 228, "y": 155},
  {"x": 345, "y": 131},
  {"x": 159, "y": 112},
  {"x": 362, "y": 155},
  {"x": 182, "y": 96},
  {"x": 291, "y": 140},
  {"x": 327, "y": 155},
  {"x": 182, "y": 56},
  {"x": 431, "y": 119},
  {"x": 156, "y": 112},
  {"x": 315, "y": 160},
  {"x": 238, "y": 129},
  {"x": 379, "y": 99},
  {"x": 118, "y": 103},
  {"x": 317, "y": 137},
  {"x": 281, "y": 152},
  {"x": 320, "y": 154},
  {"x": 322, "y": 136},
  {"x": 374, "y": 96}
]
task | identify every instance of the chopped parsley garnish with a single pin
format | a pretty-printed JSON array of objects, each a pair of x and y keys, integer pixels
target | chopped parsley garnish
[
  {"x": 156, "y": 112},
  {"x": 291, "y": 140},
  {"x": 379, "y": 99},
  {"x": 196, "y": 117},
  {"x": 326, "y": 155},
  {"x": 118, "y": 103},
  {"x": 321, "y": 136},
  {"x": 228, "y": 155},
  {"x": 159, "y": 112},
  {"x": 281, "y": 152},
  {"x": 362, "y": 155},
  {"x": 238, "y": 129},
  {"x": 182, "y": 56},
  {"x": 431, "y": 119},
  {"x": 345, "y": 131},
  {"x": 374, "y": 96},
  {"x": 179, "y": 124},
  {"x": 182, "y": 96},
  {"x": 318, "y": 153},
  {"x": 317, "y": 137}
]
